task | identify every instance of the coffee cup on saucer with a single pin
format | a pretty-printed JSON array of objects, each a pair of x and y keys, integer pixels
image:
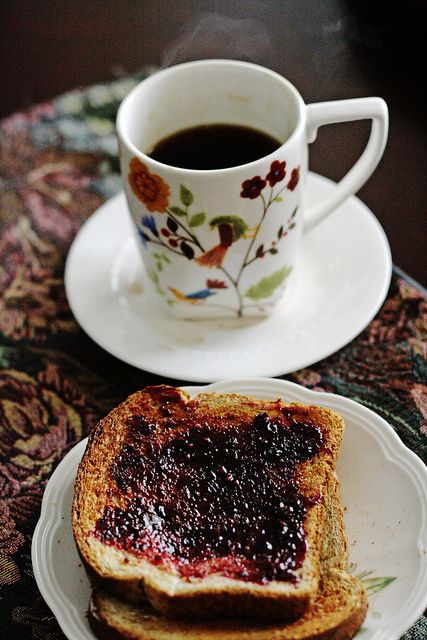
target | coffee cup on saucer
[{"x": 214, "y": 160}]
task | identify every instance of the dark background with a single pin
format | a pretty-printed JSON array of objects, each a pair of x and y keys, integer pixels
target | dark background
[{"x": 330, "y": 49}]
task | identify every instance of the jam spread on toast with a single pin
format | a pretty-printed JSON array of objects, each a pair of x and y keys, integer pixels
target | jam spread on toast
[{"x": 200, "y": 495}]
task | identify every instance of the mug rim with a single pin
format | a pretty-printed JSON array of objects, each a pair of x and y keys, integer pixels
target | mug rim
[{"x": 124, "y": 138}]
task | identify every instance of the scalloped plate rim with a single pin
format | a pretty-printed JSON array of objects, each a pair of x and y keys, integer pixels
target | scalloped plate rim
[{"x": 392, "y": 447}]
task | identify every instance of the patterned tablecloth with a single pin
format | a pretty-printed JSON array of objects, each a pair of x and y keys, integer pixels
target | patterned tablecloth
[{"x": 58, "y": 163}]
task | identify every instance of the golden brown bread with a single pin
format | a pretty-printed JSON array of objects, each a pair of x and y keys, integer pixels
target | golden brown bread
[
  {"x": 337, "y": 614},
  {"x": 133, "y": 577}
]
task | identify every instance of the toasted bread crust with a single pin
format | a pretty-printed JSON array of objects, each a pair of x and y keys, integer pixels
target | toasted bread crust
[
  {"x": 134, "y": 579},
  {"x": 337, "y": 614}
]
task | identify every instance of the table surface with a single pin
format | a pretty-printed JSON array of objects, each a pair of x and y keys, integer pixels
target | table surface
[
  {"x": 58, "y": 163},
  {"x": 329, "y": 49}
]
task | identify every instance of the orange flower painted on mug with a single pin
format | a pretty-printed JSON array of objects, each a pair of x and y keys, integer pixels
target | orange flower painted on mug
[{"x": 151, "y": 189}]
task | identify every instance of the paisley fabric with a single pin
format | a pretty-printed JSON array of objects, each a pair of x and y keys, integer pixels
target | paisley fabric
[{"x": 58, "y": 164}]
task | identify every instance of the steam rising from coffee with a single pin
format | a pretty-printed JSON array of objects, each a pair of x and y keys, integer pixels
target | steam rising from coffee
[{"x": 210, "y": 35}]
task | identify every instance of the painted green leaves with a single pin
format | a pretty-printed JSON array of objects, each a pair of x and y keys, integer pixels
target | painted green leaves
[
  {"x": 177, "y": 211},
  {"x": 374, "y": 584},
  {"x": 161, "y": 259},
  {"x": 266, "y": 286},
  {"x": 197, "y": 220},
  {"x": 185, "y": 196}
]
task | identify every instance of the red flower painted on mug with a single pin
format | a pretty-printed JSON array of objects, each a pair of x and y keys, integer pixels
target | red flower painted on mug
[
  {"x": 252, "y": 188},
  {"x": 277, "y": 172},
  {"x": 151, "y": 189},
  {"x": 294, "y": 179}
]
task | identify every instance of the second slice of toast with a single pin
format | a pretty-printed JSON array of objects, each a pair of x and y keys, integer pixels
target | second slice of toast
[{"x": 207, "y": 506}]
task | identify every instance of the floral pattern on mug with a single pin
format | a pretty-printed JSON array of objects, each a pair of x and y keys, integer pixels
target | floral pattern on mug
[
  {"x": 178, "y": 235},
  {"x": 253, "y": 187},
  {"x": 277, "y": 172},
  {"x": 148, "y": 187}
]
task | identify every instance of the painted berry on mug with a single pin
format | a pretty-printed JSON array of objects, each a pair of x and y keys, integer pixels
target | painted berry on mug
[
  {"x": 294, "y": 179},
  {"x": 148, "y": 187}
]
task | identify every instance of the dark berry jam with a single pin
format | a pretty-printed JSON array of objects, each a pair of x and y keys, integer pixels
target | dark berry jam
[{"x": 208, "y": 496}]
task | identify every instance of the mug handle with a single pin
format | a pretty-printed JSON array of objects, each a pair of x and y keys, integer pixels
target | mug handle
[{"x": 321, "y": 113}]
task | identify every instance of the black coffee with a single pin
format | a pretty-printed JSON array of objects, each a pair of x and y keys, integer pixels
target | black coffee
[{"x": 214, "y": 146}]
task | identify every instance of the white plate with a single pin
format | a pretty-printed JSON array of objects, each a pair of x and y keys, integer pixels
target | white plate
[
  {"x": 384, "y": 490},
  {"x": 341, "y": 280}
]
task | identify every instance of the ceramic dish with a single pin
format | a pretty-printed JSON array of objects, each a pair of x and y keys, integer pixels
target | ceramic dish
[
  {"x": 384, "y": 491},
  {"x": 340, "y": 282}
]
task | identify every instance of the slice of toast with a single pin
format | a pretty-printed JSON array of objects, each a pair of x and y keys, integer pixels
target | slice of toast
[
  {"x": 206, "y": 507},
  {"x": 337, "y": 613}
]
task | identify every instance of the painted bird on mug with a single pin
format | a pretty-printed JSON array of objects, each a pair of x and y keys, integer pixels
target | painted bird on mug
[
  {"x": 192, "y": 298},
  {"x": 201, "y": 294},
  {"x": 230, "y": 229}
]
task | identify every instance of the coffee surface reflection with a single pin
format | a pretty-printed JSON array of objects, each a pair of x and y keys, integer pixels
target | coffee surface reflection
[{"x": 214, "y": 146}]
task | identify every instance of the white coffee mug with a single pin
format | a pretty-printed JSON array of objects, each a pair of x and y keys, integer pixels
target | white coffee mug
[{"x": 222, "y": 242}]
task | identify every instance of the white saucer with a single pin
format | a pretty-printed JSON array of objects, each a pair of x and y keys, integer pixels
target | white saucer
[
  {"x": 340, "y": 282},
  {"x": 383, "y": 490}
]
